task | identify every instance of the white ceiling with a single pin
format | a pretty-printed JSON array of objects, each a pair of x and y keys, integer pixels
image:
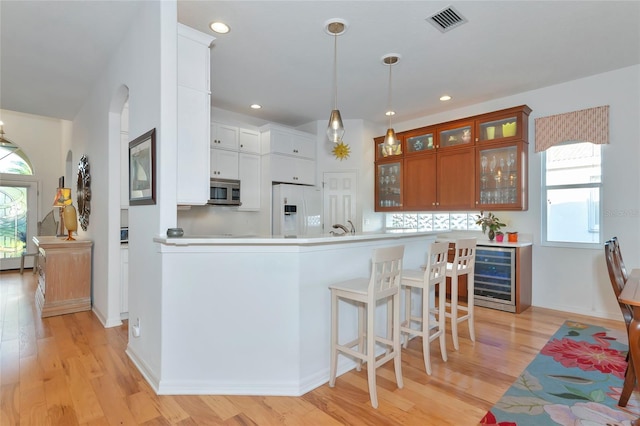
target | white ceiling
[{"x": 279, "y": 55}]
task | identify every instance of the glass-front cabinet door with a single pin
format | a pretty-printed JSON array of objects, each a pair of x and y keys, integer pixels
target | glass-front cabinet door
[
  {"x": 420, "y": 140},
  {"x": 454, "y": 134},
  {"x": 384, "y": 150},
  {"x": 509, "y": 124},
  {"x": 501, "y": 177},
  {"x": 389, "y": 186}
]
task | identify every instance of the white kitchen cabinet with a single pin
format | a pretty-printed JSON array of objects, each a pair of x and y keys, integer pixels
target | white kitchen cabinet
[
  {"x": 249, "y": 141},
  {"x": 290, "y": 155},
  {"x": 249, "y": 173},
  {"x": 224, "y": 164},
  {"x": 291, "y": 142},
  {"x": 192, "y": 159},
  {"x": 224, "y": 136},
  {"x": 124, "y": 282},
  {"x": 194, "y": 112},
  {"x": 289, "y": 169}
]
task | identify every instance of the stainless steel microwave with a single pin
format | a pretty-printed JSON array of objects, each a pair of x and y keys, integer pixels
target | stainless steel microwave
[{"x": 224, "y": 192}]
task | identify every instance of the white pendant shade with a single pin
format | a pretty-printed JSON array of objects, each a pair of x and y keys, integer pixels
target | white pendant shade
[{"x": 335, "y": 129}]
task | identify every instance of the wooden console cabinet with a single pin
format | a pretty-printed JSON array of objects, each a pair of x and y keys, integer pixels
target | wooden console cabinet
[{"x": 64, "y": 275}]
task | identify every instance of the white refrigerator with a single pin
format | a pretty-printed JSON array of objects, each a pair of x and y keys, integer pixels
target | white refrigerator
[{"x": 297, "y": 210}]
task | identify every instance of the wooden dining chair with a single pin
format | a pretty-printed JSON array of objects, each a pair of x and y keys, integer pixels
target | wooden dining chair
[{"x": 618, "y": 277}]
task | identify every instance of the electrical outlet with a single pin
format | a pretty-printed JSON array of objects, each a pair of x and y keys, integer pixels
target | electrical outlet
[{"x": 135, "y": 328}]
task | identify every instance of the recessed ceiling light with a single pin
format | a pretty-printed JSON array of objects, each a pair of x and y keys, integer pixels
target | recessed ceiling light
[
  {"x": 445, "y": 98},
  {"x": 256, "y": 106},
  {"x": 219, "y": 27}
]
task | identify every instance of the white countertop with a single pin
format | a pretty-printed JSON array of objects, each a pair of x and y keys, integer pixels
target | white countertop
[
  {"x": 188, "y": 240},
  {"x": 482, "y": 240}
]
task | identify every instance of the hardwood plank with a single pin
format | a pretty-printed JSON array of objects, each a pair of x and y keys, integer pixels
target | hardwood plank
[
  {"x": 83, "y": 396},
  {"x": 59, "y": 403},
  {"x": 9, "y": 404},
  {"x": 142, "y": 407}
]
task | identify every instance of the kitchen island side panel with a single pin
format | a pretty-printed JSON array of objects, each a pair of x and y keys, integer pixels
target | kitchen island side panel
[{"x": 255, "y": 319}]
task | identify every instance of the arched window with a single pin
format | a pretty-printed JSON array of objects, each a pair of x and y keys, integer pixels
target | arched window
[
  {"x": 12, "y": 159},
  {"x": 13, "y": 199}
]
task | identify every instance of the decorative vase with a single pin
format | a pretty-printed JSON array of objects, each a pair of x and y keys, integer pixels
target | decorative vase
[
  {"x": 499, "y": 237},
  {"x": 492, "y": 234}
]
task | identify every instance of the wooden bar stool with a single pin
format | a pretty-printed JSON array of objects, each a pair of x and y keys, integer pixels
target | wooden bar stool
[
  {"x": 463, "y": 264},
  {"x": 383, "y": 284},
  {"x": 433, "y": 274}
]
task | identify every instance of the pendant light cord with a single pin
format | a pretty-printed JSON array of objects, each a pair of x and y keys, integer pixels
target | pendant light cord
[
  {"x": 390, "y": 110},
  {"x": 335, "y": 70}
]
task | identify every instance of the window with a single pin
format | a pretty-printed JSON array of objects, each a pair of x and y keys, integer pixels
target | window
[
  {"x": 441, "y": 221},
  {"x": 571, "y": 189},
  {"x": 13, "y": 200}
]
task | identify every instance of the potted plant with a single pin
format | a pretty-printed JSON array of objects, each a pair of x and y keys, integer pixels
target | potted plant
[
  {"x": 499, "y": 236},
  {"x": 490, "y": 222}
]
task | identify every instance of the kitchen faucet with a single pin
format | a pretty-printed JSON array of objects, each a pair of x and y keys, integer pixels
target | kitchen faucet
[
  {"x": 353, "y": 227},
  {"x": 344, "y": 228}
]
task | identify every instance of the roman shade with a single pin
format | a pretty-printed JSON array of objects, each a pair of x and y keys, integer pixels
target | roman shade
[{"x": 587, "y": 125}]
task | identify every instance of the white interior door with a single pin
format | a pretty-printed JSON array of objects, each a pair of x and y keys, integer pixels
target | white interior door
[{"x": 340, "y": 190}]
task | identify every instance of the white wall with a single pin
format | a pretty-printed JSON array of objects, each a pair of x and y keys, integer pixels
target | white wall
[
  {"x": 576, "y": 280},
  {"x": 145, "y": 64},
  {"x": 42, "y": 140}
]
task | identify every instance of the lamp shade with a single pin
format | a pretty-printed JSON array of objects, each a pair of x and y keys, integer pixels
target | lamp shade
[
  {"x": 390, "y": 138},
  {"x": 335, "y": 129},
  {"x": 63, "y": 197}
]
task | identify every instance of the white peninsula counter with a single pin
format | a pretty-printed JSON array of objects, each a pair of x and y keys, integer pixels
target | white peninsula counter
[{"x": 251, "y": 315}]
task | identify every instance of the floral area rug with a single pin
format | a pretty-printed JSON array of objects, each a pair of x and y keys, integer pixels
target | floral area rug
[{"x": 576, "y": 379}]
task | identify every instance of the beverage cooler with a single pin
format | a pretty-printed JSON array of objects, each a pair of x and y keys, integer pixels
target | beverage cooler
[{"x": 495, "y": 278}]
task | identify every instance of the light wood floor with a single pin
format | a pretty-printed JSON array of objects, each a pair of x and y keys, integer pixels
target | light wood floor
[{"x": 69, "y": 370}]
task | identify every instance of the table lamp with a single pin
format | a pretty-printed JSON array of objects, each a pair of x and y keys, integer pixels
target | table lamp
[{"x": 68, "y": 212}]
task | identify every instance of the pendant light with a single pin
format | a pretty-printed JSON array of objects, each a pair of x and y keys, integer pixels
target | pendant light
[
  {"x": 390, "y": 138},
  {"x": 335, "y": 129}
]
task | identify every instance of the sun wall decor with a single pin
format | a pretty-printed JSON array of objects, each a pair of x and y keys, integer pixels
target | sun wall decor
[{"x": 341, "y": 151}]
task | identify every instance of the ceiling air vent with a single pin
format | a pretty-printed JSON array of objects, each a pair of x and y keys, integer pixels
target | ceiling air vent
[{"x": 447, "y": 19}]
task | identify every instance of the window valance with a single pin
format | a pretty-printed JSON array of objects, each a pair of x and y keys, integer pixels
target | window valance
[{"x": 587, "y": 125}]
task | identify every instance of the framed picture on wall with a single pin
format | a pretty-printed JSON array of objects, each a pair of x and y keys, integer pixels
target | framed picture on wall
[{"x": 142, "y": 169}]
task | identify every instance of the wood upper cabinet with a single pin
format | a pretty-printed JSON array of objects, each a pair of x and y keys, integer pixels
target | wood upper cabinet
[
  {"x": 459, "y": 133},
  {"x": 456, "y": 179},
  {"x": 389, "y": 188},
  {"x": 384, "y": 151},
  {"x": 505, "y": 125},
  {"x": 502, "y": 176},
  {"x": 420, "y": 190},
  {"x": 478, "y": 162}
]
